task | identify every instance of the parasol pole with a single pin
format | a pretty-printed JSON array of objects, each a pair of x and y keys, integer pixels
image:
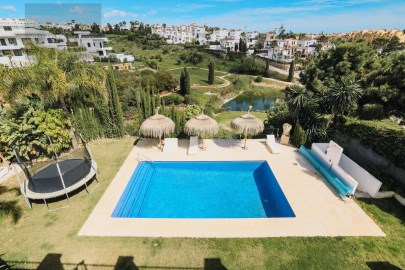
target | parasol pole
[
  {"x": 160, "y": 137},
  {"x": 244, "y": 145}
]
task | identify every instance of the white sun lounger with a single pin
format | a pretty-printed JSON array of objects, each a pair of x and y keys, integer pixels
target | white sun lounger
[
  {"x": 193, "y": 147},
  {"x": 271, "y": 142},
  {"x": 171, "y": 145}
]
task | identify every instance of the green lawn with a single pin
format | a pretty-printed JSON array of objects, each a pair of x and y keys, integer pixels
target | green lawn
[
  {"x": 41, "y": 239},
  {"x": 198, "y": 77}
]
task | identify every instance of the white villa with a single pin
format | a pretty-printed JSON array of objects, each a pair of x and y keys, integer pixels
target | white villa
[
  {"x": 252, "y": 39},
  {"x": 16, "y": 33},
  {"x": 94, "y": 44},
  {"x": 286, "y": 49},
  {"x": 181, "y": 34},
  {"x": 228, "y": 39}
]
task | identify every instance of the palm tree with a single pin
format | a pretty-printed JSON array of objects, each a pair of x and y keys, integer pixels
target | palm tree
[
  {"x": 55, "y": 77},
  {"x": 343, "y": 97},
  {"x": 299, "y": 98}
]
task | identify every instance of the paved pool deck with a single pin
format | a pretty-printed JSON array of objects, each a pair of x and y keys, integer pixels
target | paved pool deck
[{"x": 318, "y": 208}]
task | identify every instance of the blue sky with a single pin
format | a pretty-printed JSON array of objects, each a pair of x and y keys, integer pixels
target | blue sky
[{"x": 311, "y": 16}]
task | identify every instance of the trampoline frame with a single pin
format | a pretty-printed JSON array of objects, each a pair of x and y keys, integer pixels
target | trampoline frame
[{"x": 31, "y": 195}]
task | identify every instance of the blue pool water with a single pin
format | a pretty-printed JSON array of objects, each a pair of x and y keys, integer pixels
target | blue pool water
[{"x": 245, "y": 189}]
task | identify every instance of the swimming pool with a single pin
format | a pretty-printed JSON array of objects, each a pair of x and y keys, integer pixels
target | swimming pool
[{"x": 231, "y": 189}]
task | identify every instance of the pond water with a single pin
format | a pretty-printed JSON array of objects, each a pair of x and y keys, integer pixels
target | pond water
[{"x": 242, "y": 103}]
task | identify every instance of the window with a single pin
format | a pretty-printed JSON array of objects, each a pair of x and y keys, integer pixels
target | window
[
  {"x": 36, "y": 40},
  {"x": 12, "y": 41},
  {"x": 88, "y": 45},
  {"x": 7, "y": 28},
  {"x": 25, "y": 41},
  {"x": 101, "y": 45},
  {"x": 6, "y": 53},
  {"x": 17, "y": 53},
  {"x": 50, "y": 40},
  {"x": 2, "y": 42}
]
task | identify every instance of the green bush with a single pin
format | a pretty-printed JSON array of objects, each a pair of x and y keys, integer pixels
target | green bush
[
  {"x": 192, "y": 111},
  {"x": 189, "y": 99},
  {"x": 384, "y": 139},
  {"x": 372, "y": 111},
  {"x": 279, "y": 116},
  {"x": 300, "y": 136},
  {"x": 276, "y": 75},
  {"x": 29, "y": 132},
  {"x": 259, "y": 79},
  {"x": 173, "y": 99}
]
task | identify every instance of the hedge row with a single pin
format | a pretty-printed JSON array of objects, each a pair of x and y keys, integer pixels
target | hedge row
[{"x": 384, "y": 139}]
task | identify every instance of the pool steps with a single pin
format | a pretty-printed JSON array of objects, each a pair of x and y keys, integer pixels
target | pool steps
[{"x": 144, "y": 173}]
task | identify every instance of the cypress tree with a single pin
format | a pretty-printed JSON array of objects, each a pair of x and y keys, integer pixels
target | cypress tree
[
  {"x": 291, "y": 71},
  {"x": 300, "y": 137},
  {"x": 240, "y": 45},
  {"x": 114, "y": 106},
  {"x": 187, "y": 82},
  {"x": 148, "y": 112},
  {"x": 138, "y": 105},
  {"x": 153, "y": 107},
  {"x": 182, "y": 83},
  {"x": 244, "y": 46},
  {"x": 211, "y": 73},
  {"x": 144, "y": 104}
]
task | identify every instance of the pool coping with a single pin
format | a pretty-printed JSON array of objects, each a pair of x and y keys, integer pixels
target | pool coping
[{"x": 319, "y": 210}]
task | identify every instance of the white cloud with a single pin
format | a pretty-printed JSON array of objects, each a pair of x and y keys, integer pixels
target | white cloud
[
  {"x": 8, "y": 7},
  {"x": 189, "y": 7},
  {"x": 77, "y": 9},
  {"x": 280, "y": 10},
  {"x": 119, "y": 13}
]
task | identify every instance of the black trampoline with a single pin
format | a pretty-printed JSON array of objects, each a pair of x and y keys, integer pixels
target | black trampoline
[{"x": 57, "y": 177}]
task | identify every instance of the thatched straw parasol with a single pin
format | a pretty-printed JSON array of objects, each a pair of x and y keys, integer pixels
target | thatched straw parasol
[
  {"x": 247, "y": 124},
  {"x": 156, "y": 126},
  {"x": 201, "y": 125}
]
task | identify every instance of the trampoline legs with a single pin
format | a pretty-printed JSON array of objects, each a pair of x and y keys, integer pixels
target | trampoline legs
[
  {"x": 86, "y": 186},
  {"x": 62, "y": 207}
]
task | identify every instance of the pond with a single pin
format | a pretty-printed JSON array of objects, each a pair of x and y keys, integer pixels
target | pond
[{"x": 259, "y": 102}]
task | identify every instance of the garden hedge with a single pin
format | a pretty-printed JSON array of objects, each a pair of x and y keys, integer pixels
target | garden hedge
[{"x": 386, "y": 139}]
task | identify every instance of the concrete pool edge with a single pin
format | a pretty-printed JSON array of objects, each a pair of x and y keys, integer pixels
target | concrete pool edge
[{"x": 334, "y": 218}]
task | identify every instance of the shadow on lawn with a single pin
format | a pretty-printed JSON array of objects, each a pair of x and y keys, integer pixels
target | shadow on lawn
[
  {"x": 53, "y": 261},
  {"x": 382, "y": 266},
  {"x": 390, "y": 206},
  {"x": 10, "y": 208}
]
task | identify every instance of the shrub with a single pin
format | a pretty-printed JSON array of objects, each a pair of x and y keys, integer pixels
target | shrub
[
  {"x": 173, "y": 99},
  {"x": 189, "y": 99},
  {"x": 386, "y": 140},
  {"x": 192, "y": 111},
  {"x": 279, "y": 116},
  {"x": 372, "y": 111},
  {"x": 276, "y": 75},
  {"x": 28, "y": 133},
  {"x": 300, "y": 136},
  {"x": 259, "y": 79}
]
